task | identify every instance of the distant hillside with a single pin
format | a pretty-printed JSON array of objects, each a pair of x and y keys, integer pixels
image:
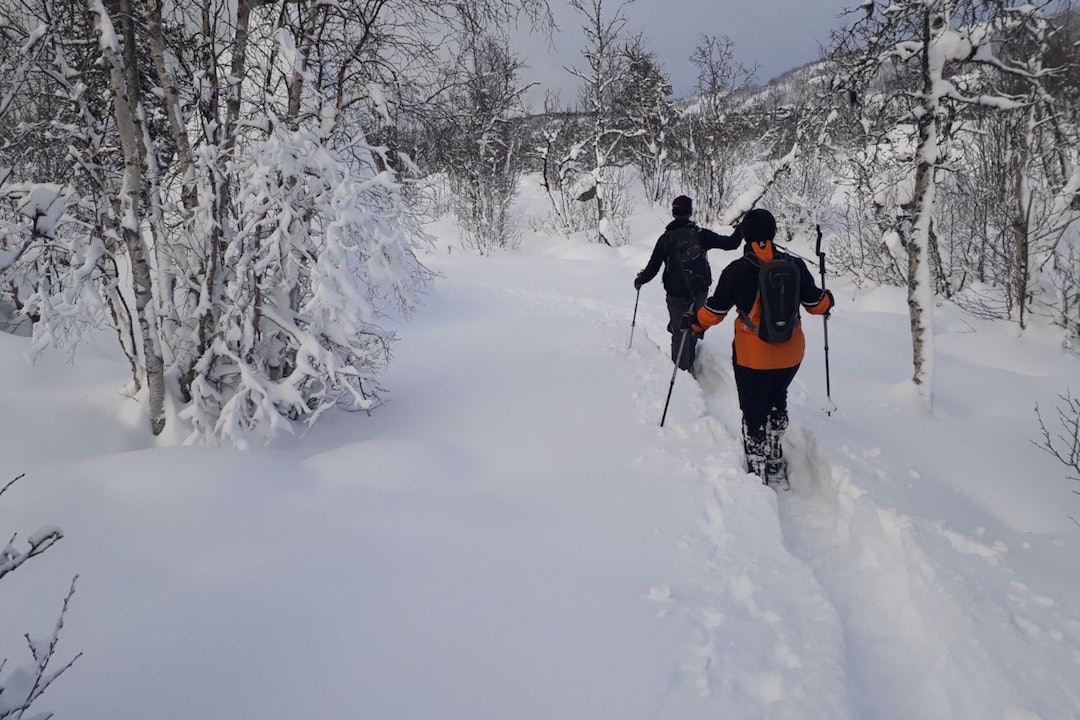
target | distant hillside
[{"x": 788, "y": 88}]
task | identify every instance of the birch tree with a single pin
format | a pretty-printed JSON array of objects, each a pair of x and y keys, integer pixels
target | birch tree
[
  {"x": 128, "y": 112},
  {"x": 708, "y": 156},
  {"x": 646, "y": 113},
  {"x": 923, "y": 64},
  {"x": 605, "y": 66},
  {"x": 227, "y": 210}
]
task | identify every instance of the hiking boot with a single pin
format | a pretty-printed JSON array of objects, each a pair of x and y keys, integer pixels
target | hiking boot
[{"x": 775, "y": 426}]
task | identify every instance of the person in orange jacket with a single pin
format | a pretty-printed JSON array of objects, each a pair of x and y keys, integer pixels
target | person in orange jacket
[{"x": 763, "y": 370}]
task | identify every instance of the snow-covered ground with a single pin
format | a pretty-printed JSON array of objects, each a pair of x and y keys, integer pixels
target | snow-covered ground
[{"x": 513, "y": 536}]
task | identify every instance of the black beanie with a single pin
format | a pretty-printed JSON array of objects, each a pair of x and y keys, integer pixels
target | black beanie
[
  {"x": 758, "y": 225},
  {"x": 682, "y": 206}
]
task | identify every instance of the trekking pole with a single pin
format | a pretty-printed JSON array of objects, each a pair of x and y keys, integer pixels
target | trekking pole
[
  {"x": 821, "y": 268},
  {"x": 674, "y": 371},
  {"x": 633, "y": 322}
]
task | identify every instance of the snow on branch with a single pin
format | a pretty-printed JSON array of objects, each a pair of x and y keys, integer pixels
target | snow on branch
[
  {"x": 25, "y": 684},
  {"x": 321, "y": 253},
  {"x": 11, "y": 557},
  {"x": 43, "y": 203}
]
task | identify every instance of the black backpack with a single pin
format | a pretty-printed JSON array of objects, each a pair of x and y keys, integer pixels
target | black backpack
[
  {"x": 688, "y": 268},
  {"x": 778, "y": 294}
]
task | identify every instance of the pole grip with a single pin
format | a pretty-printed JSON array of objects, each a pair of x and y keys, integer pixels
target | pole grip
[{"x": 820, "y": 256}]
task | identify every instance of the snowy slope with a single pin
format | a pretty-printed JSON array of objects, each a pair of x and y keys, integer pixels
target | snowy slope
[{"x": 514, "y": 536}]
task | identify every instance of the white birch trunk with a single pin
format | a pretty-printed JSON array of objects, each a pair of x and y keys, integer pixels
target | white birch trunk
[
  {"x": 920, "y": 292},
  {"x": 125, "y": 109}
]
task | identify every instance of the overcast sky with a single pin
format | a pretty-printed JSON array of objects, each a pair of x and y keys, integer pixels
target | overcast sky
[{"x": 775, "y": 35}]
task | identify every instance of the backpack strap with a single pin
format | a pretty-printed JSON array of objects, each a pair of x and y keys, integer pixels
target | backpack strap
[
  {"x": 746, "y": 319},
  {"x": 756, "y": 262}
]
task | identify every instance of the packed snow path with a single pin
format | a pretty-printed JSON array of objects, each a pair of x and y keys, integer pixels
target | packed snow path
[
  {"x": 814, "y": 603},
  {"x": 913, "y": 628},
  {"x": 514, "y": 536},
  {"x": 732, "y": 621}
]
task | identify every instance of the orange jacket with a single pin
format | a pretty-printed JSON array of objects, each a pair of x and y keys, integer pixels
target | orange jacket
[{"x": 738, "y": 287}]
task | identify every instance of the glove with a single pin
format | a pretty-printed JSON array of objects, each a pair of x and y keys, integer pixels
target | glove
[
  {"x": 689, "y": 322},
  {"x": 737, "y": 235},
  {"x": 832, "y": 302},
  {"x": 638, "y": 282}
]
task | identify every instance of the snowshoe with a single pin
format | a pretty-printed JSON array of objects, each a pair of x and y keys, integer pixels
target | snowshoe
[
  {"x": 776, "y": 475},
  {"x": 755, "y": 465}
]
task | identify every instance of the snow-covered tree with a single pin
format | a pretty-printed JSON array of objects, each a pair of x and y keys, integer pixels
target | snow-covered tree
[
  {"x": 919, "y": 67},
  {"x": 709, "y": 156},
  {"x": 558, "y": 149},
  {"x": 605, "y": 68},
  {"x": 646, "y": 113},
  {"x": 802, "y": 195},
  {"x": 227, "y": 210},
  {"x": 484, "y": 144}
]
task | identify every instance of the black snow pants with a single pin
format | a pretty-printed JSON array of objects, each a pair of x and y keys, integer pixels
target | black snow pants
[
  {"x": 763, "y": 401},
  {"x": 677, "y": 307}
]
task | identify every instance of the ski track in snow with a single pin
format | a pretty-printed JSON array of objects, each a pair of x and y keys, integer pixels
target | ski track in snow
[
  {"x": 882, "y": 624},
  {"x": 905, "y": 615},
  {"x": 752, "y": 647},
  {"x": 907, "y": 619},
  {"x": 910, "y": 593}
]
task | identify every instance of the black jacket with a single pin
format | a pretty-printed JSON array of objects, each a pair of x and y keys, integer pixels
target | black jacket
[
  {"x": 738, "y": 288},
  {"x": 709, "y": 241}
]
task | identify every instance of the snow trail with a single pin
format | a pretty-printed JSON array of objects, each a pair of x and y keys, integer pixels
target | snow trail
[
  {"x": 514, "y": 536},
  {"x": 911, "y": 648},
  {"x": 907, "y": 611},
  {"x": 762, "y": 638},
  {"x": 750, "y": 628}
]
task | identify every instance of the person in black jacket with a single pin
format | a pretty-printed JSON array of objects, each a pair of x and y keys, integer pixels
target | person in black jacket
[
  {"x": 686, "y": 280},
  {"x": 763, "y": 370}
]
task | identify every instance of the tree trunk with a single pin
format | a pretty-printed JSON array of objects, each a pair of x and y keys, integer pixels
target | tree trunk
[
  {"x": 305, "y": 44},
  {"x": 171, "y": 101},
  {"x": 919, "y": 288},
  {"x": 124, "y": 83},
  {"x": 1021, "y": 224}
]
